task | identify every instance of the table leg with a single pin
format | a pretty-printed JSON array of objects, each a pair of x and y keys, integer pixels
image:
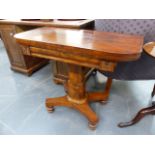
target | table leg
[
  {"x": 77, "y": 97},
  {"x": 102, "y": 97}
]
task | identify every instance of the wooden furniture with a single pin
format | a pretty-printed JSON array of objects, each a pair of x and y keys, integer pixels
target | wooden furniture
[
  {"x": 28, "y": 64},
  {"x": 149, "y": 48},
  {"x": 81, "y": 48},
  {"x": 18, "y": 61}
]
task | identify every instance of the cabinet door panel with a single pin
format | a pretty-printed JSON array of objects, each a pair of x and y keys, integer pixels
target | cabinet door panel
[{"x": 13, "y": 50}]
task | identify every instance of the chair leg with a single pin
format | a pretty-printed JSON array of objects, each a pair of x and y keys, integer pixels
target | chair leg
[
  {"x": 152, "y": 95},
  {"x": 141, "y": 113},
  {"x": 139, "y": 116},
  {"x": 153, "y": 92}
]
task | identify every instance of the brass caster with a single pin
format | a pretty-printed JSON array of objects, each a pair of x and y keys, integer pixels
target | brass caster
[
  {"x": 50, "y": 109},
  {"x": 92, "y": 126},
  {"x": 57, "y": 82},
  {"x": 103, "y": 102}
]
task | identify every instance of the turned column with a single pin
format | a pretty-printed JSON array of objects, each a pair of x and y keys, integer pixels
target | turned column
[{"x": 76, "y": 85}]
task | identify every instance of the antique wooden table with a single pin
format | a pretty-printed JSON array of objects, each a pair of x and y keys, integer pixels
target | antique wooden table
[{"x": 81, "y": 48}]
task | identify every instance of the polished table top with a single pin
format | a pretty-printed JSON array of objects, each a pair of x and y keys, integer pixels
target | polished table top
[
  {"x": 100, "y": 45},
  {"x": 149, "y": 48}
]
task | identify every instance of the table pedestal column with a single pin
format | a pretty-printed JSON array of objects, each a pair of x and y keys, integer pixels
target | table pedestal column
[{"x": 77, "y": 97}]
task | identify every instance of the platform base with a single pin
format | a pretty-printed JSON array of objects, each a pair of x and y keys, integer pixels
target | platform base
[{"x": 82, "y": 106}]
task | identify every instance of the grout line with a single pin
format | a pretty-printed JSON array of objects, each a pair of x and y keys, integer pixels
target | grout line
[
  {"x": 9, "y": 105},
  {"x": 29, "y": 116},
  {"x": 38, "y": 85},
  {"x": 8, "y": 127}
]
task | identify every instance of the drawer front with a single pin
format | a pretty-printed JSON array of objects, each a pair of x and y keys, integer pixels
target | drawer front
[{"x": 69, "y": 57}]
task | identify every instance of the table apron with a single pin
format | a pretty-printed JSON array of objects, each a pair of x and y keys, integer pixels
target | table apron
[{"x": 71, "y": 58}]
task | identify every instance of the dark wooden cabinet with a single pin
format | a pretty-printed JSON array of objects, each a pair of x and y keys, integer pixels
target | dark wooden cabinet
[
  {"x": 18, "y": 61},
  {"x": 28, "y": 64}
]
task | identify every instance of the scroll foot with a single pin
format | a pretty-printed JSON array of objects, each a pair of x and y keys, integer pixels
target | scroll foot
[
  {"x": 139, "y": 116},
  {"x": 92, "y": 126},
  {"x": 50, "y": 109}
]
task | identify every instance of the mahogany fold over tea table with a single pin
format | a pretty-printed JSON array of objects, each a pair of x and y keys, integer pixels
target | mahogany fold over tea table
[{"x": 79, "y": 49}]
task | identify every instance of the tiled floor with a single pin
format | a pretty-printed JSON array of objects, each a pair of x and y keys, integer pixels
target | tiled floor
[{"x": 22, "y": 109}]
